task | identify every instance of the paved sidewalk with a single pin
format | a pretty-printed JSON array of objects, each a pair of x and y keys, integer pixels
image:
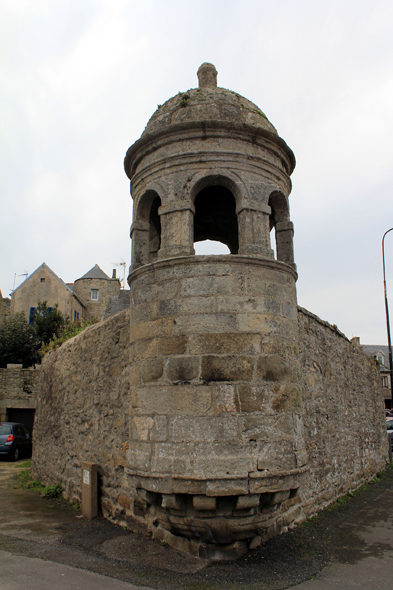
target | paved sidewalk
[
  {"x": 45, "y": 545},
  {"x": 27, "y": 573}
]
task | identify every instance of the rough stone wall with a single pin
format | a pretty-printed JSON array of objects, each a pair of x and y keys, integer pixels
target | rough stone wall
[
  {"x": 117, "y": 304},
  {"x": 344, "y": 419},
  {"x": 18, "y": 389},
  {"x": 83, "y": 414},
  {"x": 83, "y": 409}
]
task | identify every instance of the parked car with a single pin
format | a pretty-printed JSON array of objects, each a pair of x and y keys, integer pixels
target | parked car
[{"x": 15, "y": 440}]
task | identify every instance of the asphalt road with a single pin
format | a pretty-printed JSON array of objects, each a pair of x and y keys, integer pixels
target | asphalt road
[{"x": 46, "y": 544}]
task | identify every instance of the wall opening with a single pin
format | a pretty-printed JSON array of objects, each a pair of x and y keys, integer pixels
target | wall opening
[
  {"x": 208, "y": 247},
  {"x": 280, "y": 212},
  {"x": 215, "y": 217},
  {"x": 146, "y": 239},
  {"x": 154, "y": 230}
]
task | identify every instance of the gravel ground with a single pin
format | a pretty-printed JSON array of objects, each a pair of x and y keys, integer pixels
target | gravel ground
[{"x": 52, "y": 530}]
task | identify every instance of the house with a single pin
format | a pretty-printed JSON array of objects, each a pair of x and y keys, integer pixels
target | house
[
  {"x": 96, "y": 289},
  {"x": 44, "y": 285},
  {"x": 381, "y": 355},
  {"x": 88, "y": 297},
  {"x": 5, "y": 305}
]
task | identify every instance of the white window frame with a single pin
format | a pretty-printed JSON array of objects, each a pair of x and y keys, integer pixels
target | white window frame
[{"x": 95, "y": 292}]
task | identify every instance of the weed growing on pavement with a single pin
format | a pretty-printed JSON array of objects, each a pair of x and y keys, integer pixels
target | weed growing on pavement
[
  {"x": 25, "y": 481},
  {"x": 52, "y": 491}
]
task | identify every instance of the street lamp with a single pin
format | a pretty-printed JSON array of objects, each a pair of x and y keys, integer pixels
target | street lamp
[{"x": 387, "y": 313}]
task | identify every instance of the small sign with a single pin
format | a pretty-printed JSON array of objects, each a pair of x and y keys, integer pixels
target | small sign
[{"x": 86, "y": 477}]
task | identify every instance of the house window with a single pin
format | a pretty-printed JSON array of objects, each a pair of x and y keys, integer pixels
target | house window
[
  {"x": 42, "y": 280},
  {"x": 31, "y": 315},
  {"x": 385, "y": 382},
  {"x": 76, "y": 315},
  {"x": 380, "y": 359},
  {"x": 94, "y": 294}
]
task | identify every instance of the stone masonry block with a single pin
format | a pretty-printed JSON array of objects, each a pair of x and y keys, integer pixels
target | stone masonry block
[
  {"x": 139, "y": 456},
  {"x": 204, "y": 503},
  {"x": 210, "y": 285},
  {"x": 151, "y": 328},
  {"x": 225, "y": 343},
  {"x": 205, "y": 322},
  {"x": 227, "y": 487},
  {"x": 275, "y": 368},
  {"x": 204, "y": 428},
  {"x": 280, "y": 497},
  {"x": 227, "y": 368},
  {"x": 172, "y": 501},
  {"x": 184, "y": 368},
  {"x": 149, "y": 428},
  {"x": 245, "y": 502},
  {"x": 143, "y": 349},
  {"x": 152, "y": 369},
  {"x": 184, "y": 400},
  {"x": 171, "y": 345},
  {"x": 286, "y": 397},
  {"x": 250, "y": 398}
]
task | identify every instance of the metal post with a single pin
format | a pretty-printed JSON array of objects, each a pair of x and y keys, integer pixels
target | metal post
[{"x": 387, "y": 315}]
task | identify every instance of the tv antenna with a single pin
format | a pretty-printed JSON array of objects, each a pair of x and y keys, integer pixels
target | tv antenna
[{"x": 24, "y": 274}]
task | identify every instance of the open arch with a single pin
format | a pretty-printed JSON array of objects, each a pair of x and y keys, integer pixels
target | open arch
[
  {"x": 215, "y": 216},
  {"x": 280, "y": 221},
  {"x": 146, "y": 229}
]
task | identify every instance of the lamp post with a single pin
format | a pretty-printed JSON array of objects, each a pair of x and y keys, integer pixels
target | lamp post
[{"x": 387, "y": 313}]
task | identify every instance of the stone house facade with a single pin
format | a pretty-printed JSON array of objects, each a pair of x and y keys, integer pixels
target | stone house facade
[
  {"x": 96, "y": 289},
  {"x": 44, "y": 285}
]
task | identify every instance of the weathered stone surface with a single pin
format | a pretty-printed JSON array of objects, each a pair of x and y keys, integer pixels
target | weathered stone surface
[
  {"x": 183, "y": 369},
  {"x": 211, "y": 421},
  {"x": 204, "y": 503},
  {"x": 227, "y": 368}
]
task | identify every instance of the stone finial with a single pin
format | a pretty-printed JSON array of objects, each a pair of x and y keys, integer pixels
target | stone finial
[{"x": 207, "y": 76}]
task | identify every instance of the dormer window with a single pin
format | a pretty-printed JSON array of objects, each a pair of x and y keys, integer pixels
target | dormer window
[
  {"x": 380, "y": 359},
  {"x": 94, "y": 294}
]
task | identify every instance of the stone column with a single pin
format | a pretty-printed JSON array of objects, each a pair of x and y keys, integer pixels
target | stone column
[
  {"x": 284, "y": 242},
  {"x": 254, "y": 231},
  {"x": 177, "y": 223},
  {"x": 139, "y": 233}
]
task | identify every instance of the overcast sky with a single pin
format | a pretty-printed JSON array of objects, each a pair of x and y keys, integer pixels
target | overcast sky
[{"x": 81, "y": 78}]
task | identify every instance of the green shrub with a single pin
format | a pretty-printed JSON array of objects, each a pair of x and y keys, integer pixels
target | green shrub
[{"x": 52, "y": 491}]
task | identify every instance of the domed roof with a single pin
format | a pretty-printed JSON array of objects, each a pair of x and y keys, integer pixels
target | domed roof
[
  {"x": 207, "y": 103},
  {"x": 206, "y": 108}
]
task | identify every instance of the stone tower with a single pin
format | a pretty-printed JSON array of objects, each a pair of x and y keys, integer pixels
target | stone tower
[{"x": 217, "y": 453}]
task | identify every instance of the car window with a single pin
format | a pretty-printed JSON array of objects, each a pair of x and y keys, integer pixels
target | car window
[
  {"x": 26, "y": 430},
  {"x": 5, "y": 429}
]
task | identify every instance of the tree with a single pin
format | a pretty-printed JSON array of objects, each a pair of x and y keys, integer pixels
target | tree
[
  {"x": 19, "y": 342},
  {"x": 48, "y": 321}
]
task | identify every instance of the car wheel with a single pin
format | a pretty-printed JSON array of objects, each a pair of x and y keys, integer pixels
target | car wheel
[{"x": 15, "y": 454}]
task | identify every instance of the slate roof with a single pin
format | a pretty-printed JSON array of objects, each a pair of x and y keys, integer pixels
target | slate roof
[
  {"x": 95, "y": 273},
  {"x": 373, "y": 349}
]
